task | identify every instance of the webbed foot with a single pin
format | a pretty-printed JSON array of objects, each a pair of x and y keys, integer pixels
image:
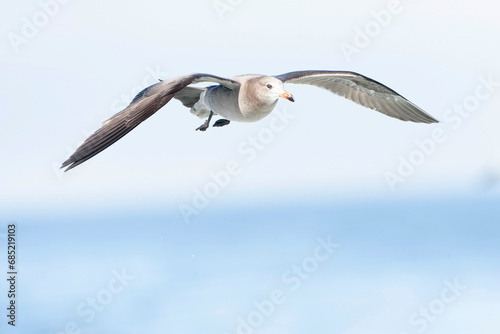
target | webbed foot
[
  {"x": 206, "y": 124},
  {"x": 203, "y": 127}
]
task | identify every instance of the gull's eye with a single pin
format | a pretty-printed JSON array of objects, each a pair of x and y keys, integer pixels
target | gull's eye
[{"x": 269, "y": 86}]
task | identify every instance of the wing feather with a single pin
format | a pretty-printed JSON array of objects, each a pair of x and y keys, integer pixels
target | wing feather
[
  {"x": 361, "y": 90},
  {"x": 145, "y": 104}
]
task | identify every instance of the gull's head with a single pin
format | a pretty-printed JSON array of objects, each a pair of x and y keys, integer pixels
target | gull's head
[{"x": 271, "y": 89}]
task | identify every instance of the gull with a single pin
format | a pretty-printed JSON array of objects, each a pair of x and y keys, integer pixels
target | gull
[{"x": 243, "y": 98}]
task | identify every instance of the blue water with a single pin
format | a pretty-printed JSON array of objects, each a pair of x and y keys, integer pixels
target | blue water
[{"x": 208, "y": 276}]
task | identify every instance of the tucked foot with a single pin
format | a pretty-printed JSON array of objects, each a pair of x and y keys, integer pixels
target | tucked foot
[
  {"x": 221, "y": 122},
  {"x": 203, "y": 127}
]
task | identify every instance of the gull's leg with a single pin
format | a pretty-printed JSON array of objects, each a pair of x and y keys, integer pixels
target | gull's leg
[
  {"x": 221, "y": 122},
  {"x": 205, "y": 125}
]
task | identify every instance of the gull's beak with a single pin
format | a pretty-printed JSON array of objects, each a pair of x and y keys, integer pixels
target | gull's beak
[{"x": 288, "y": 96}]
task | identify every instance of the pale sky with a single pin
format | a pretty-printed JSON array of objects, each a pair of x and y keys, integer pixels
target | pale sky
[{"x": 91, "y": 58}]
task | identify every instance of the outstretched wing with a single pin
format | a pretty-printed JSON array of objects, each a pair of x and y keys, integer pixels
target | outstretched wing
[
  {"x": 362, "y": 90},
  {"x": 145, "y": 104}
]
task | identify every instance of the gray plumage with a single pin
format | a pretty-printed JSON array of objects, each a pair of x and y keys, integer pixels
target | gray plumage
[
  {"x": 246, "y": 98},
  {"x": 362, "y": 90}
]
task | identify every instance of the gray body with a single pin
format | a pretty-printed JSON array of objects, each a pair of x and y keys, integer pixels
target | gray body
[{"x": 238, "y": 104}]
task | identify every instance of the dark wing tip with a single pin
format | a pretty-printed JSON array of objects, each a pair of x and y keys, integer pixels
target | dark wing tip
[
  {"x": 64, "y": 164},
  {"x": 75, "y": 159},
  {"x": 70, "y": 164}
]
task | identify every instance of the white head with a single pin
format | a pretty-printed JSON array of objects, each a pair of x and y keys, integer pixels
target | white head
[{"x": 269, "y": 89}]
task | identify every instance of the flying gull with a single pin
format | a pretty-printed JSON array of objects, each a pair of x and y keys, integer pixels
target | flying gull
[{"x": 244, "y": 98}]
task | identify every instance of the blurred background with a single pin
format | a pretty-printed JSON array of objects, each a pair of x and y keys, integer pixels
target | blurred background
[{"x": 232, "y": 230}]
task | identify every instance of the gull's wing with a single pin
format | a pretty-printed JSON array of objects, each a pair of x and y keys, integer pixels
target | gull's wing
[
  {"x": 145, "y": 104},
  {"x": 362, "y": 90}
]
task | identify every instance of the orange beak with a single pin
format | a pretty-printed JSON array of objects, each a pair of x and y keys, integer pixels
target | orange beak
[{"x": 288, "y": 96}]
